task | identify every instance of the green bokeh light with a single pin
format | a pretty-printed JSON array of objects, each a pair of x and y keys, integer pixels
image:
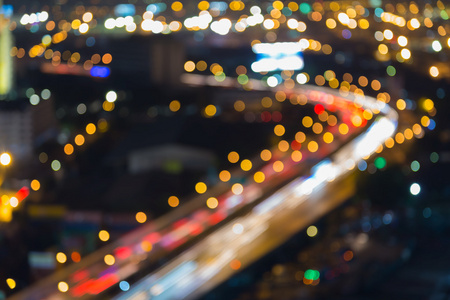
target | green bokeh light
[
  {"x": 391, "y": 71},
  {"x": 305, "y": 8},
  {"x": 434, "y": 157},
  {"x": 242, "y": 79},
  {"x": 312, "y": 274},
  {"x": 415, "y": 166},
  {"x": 380, "y": 162}
]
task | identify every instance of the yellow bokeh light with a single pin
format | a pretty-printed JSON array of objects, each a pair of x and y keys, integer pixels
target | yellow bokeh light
[
  {"x": 296, "y": 156},
  {"x": 428, "y": 105},
  {"x": 109, "y": 259},
  {"x": 189, "y": 66},
  {"x": 215, "y": 68},
  {"x": 417, "y": 129},
  {"x": 280, "y": 96},
  {"x": 61, "y": 257},
  {"x": 141, "y": 217},
  {"x": 293, "y": 6},
  {"x": 212, "y": 202},
  {"x": 75, "y": 57},
  {"x": 367, "y": 114},
  {"x": 300, "y": 137},
  {"x": 239, "y": 105},
  {"x": 63, "y": 286},
  {"x": 383, "y": 49},
  {"x": 312, "y": 231},
  {"x": 328, "y": 137},
  {"x": 108, "y": 106},
  {"x": 203, "y": 5},
  {"x": 331, "y": 23},
  {"x": 408, "y": 134},
  {"x": 389, "y": 143},
  {"x": 11, "y": 283},
  {"x": 283, "y": 146},
  {"x": 35, "y": 185},
  {"x": 313, "y": 146},
  {"x": 425, "y": 121},
  {"x": 91, "y": 128},
  {"x": 68, "y": 149},
  {"x": 266, "y": 102},
  {"x": 174, "y": 105},
  {"x": 363, "y": 81},
  {"x": 323, "y": 116},
  {"x": 356, "y": 120},
  {"x": 237, "y": 188},
  {"x": 246, "y": 165},
  {"x": 320, "y": 80},
  {"x": 401, "y": 104},
  {"x": 317, "y": 128},
  {"x": 278, "y": 166},
  {"x": 237, "y": 5},
  {"x": 266, "y": 155},
  {"x": 79, "y": 139},
  {"x": 173, "y": 201},
  {"x": 399, "y": 138},
  {"x": 307, "y": 121},
  {"x": 332, "y": 120},
  {"x": 146, "y": 246},
  {"x": 177, "y": 6},
  {"x": 434, "y": 71},
  {"x": 275, "y": 13},
  {"x": 379, "y": 149},
  {"x": 200, "y": 187},
  {"x": 259, "y": 177},
  {"x": 327, "y": 49},
  {"x": 201, "y": 65},
  {"x": 76, "y": 24},
  {"x": 233, "y": 157},
  {"x": 279, "y": 130},
  {"x": 343, "y": 129},
  {"x": 106, "y": 58},
  {"x": 103, "y": 235},
  {"x": 363, "y": 24},
  {"x": 333, "y": 83},
  {"x": 210, "y": 110},
  {"x": 224, "y": 176},
  {"x": 329, "y": 74},
  {"x": 278, "y": 5},
  {"x": 375, "y": 85}
]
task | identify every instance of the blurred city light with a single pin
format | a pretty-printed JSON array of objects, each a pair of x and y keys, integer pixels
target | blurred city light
[
  {"x": 414, "y": 189},
  {"x": 5, "y": 159}
]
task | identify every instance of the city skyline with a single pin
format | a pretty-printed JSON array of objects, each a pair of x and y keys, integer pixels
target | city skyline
[{"x": 215, "y": 125}]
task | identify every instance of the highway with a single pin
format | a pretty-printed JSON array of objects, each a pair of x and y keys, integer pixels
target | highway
[
  {"x": 245, "y": 225},
  {"x": 270, "y": 223}
]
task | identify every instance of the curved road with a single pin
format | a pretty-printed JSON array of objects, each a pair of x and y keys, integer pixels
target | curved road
[{"x": 241, "y": 229}]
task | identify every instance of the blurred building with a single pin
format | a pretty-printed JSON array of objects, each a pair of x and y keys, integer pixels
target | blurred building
[
  {"x": 24, "y": 126},
  {"x": 167, "y": 57},
  {"x": 16, "y": 129},
  {"x": 162, "y": 145}
]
